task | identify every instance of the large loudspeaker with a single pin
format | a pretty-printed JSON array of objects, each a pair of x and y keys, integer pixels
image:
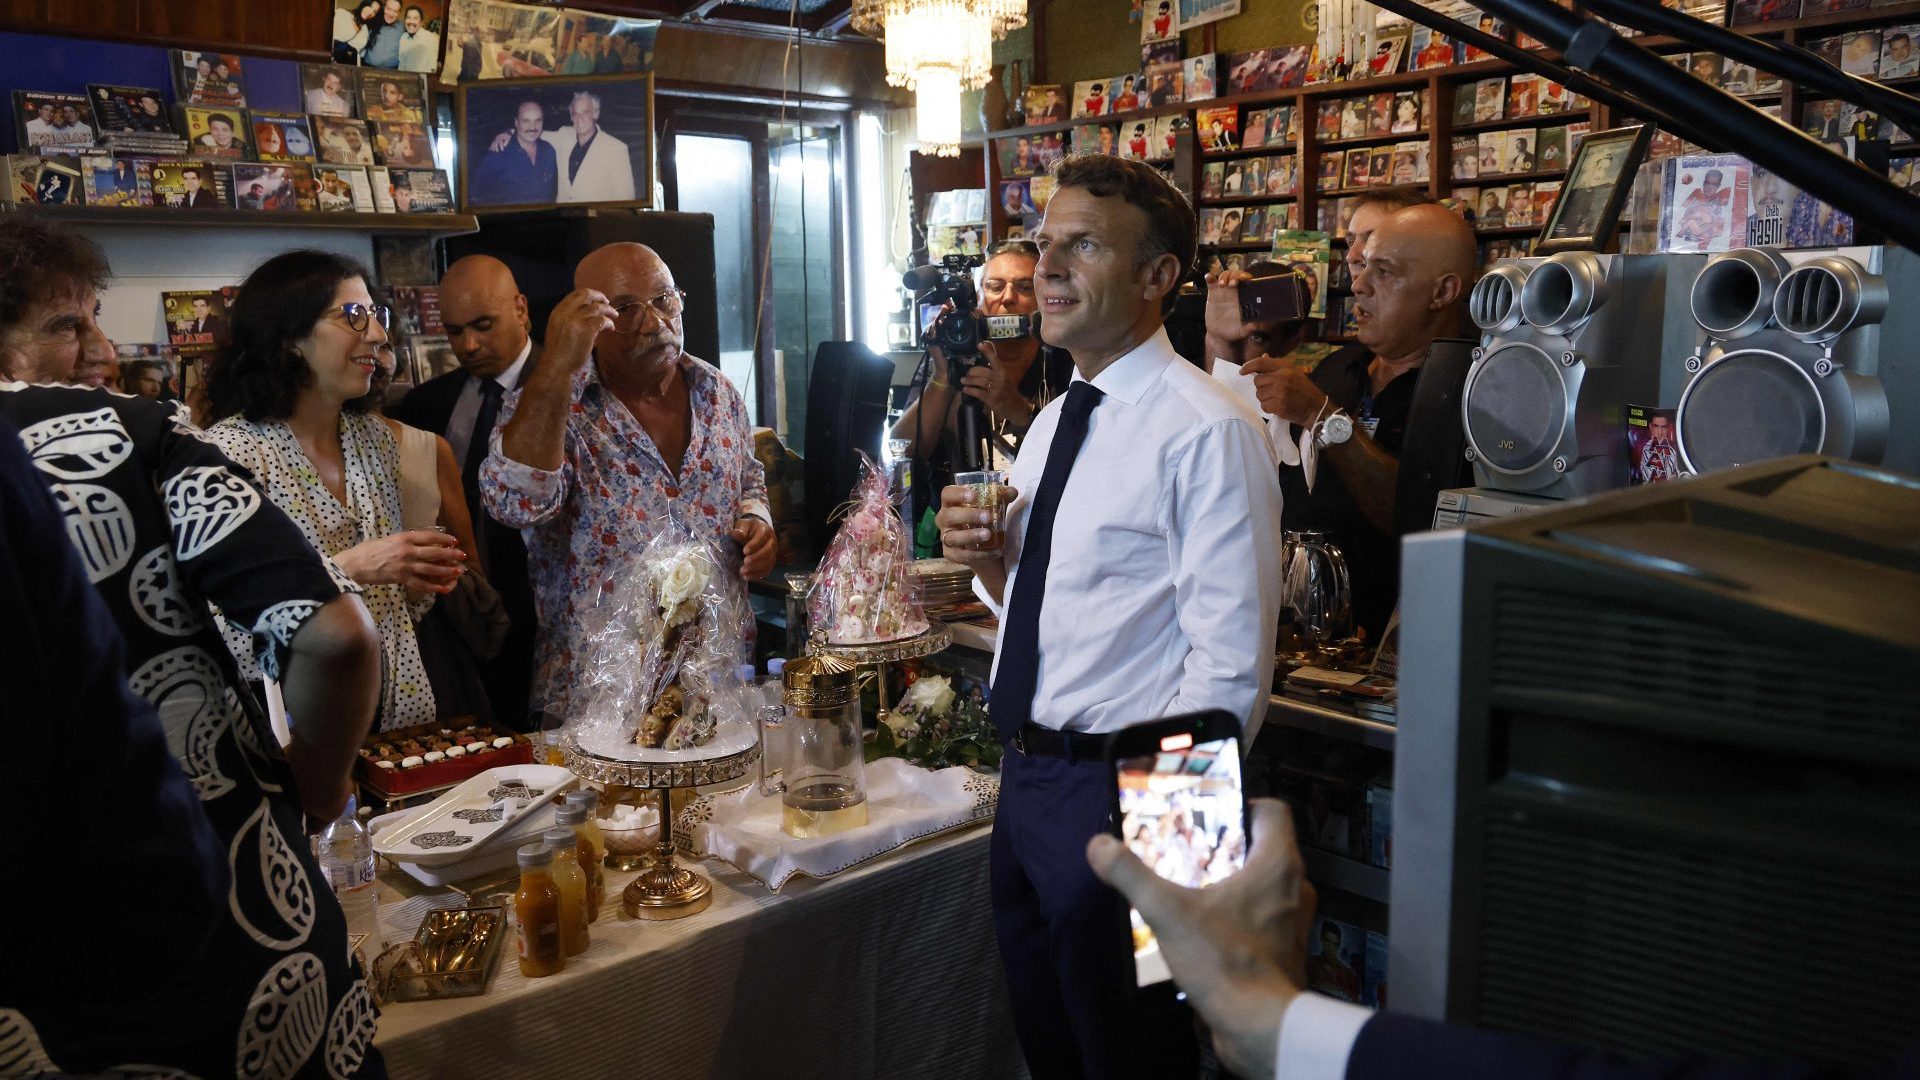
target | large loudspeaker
[
  {"x": 1570, "y": 341},
  {"x": 1804, "y": 352},
  {"x": 846, "y": 416}
]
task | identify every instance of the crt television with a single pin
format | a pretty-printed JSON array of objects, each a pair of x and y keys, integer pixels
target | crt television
[{"x": 1657, "y": 782}]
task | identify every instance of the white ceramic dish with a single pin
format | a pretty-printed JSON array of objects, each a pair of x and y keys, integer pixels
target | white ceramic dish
[
  {"x": 456, "y": 825},
  {"x": 491, "y": 857}
]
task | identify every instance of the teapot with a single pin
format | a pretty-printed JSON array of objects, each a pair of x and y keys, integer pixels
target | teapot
[{"x": 1316, "y": 598}]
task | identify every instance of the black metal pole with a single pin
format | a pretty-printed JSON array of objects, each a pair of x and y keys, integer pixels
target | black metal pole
[
  {"x": 1787, "y": 61},
  {"x": 1590, "y": 45}
]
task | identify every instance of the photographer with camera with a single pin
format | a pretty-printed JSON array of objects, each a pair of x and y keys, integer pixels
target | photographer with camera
[{"x": 1008, "y": 379}]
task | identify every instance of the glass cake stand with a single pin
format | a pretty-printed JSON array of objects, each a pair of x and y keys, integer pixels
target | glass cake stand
[
  {"x": 664, "y": 889},
  {"x": 878, "y": 654}
]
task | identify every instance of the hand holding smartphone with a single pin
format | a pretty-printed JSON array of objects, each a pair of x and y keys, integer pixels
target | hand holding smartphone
[{"x": 1179, "y": 806}]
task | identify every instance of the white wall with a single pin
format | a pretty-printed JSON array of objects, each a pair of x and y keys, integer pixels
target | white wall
[{"x": 151, "y": 259}]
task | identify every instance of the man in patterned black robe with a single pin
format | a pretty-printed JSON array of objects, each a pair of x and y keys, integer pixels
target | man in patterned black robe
[{"x": 165, "y": 526}]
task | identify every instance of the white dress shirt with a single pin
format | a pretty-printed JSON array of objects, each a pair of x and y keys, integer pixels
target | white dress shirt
[
  {"x": 1163, "y": 590},
  {"x": 606, "y": 171},
  {"x": 1317, "y": 1034},
  {"x": 466, "y": 409}
]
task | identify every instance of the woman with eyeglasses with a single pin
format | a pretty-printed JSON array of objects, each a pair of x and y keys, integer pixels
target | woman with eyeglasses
[{"x": 290, "y": 397}]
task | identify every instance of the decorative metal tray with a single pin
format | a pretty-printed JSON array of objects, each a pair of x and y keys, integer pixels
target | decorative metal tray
[
  {"x": 934, "y": 639},
  {"x": 453, "y": 954},
  {"x": 647, "y": 774}
]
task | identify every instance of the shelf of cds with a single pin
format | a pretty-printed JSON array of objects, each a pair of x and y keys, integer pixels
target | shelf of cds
[
  {"x": 360, "y": 155},
  {"x": 1275, "y": 151}
]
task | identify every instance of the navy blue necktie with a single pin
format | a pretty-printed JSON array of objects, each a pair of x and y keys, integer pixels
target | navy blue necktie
[{"x": 1013, "y": 684}]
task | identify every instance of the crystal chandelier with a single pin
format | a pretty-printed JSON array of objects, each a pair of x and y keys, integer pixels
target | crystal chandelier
[{"x": 937, "y": 48}]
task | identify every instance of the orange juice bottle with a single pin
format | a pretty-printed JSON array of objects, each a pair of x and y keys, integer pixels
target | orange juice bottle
[
  {"x": 536, "y": 910},
  {"x": 578, "y": 816},
  {"x": 573, "y": 888}
]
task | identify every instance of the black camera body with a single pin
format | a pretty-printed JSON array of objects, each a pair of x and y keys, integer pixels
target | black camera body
[{"x": 959, "y": 331}]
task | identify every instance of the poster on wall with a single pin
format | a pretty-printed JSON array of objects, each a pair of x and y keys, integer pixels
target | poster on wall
[
  {"x": 544, "y": 142},
  {"x": 398, "y": 35},
  {"x": 492, "y": 39},
  {"x": 1199, "y": 12}
]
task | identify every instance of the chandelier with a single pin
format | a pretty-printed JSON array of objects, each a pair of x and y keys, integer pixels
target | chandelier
[{"x": 937, "y": 48}]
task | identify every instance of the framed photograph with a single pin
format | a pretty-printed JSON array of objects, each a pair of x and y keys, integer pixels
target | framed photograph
[
  {"x": 343, "y": 141},
  {"x": 205, "y": 78},
  {"x": 281, "y": 137},
  {"x": 128, "y": 110},
  {"x": 216, "y": 132},
  {"x": 519, "y": 138},
  {"x": 52, "y": 123},
  {"x": 391, "y": 35},
  {"x": 1588, "y": 212},
  {"x": 264, "y": 187},
  {"x": 393, "y": 96},
  {"x": 329, "y": 90}
]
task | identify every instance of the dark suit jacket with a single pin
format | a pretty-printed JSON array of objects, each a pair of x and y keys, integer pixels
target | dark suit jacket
[
  {"x": 430, "y": 406},
  {"x": 1393, "y": 1047}
]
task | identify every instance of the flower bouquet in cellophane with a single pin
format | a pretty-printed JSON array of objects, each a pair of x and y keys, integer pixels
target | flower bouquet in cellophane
[
  {"x": 664, "y": 646},
  {"x": 865, "y": 590}
]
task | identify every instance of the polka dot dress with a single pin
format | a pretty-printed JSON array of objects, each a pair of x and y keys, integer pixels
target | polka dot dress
[{"x": 281, "y": 469}]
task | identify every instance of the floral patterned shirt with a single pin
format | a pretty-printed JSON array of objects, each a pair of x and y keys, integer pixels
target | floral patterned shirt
[{"x": 585, "y": 522}]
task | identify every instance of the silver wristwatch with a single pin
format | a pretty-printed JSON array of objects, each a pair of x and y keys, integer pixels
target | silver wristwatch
[{"x": 1334, "y": 430}]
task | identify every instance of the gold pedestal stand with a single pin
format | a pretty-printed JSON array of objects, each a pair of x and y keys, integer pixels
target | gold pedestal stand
[
  {"x": 664, "y": 889},
  {"x": 877, "y": 655}
]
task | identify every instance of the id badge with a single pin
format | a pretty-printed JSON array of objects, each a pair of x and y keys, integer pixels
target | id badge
[{"x": 1370, "y": 424}]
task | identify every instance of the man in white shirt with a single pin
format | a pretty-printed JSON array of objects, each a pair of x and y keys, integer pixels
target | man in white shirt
[
  {"x": 327, "y": 98},
  {"x": 594, "y": 166},
  {"x": 419, "y": 46},
  {"x": 1139, "y": 578}
]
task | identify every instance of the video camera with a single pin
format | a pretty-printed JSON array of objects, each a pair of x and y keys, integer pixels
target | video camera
[{"x": 958, "y": 333}]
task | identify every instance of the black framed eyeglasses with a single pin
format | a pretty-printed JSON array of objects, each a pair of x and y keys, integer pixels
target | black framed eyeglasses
[
  {"x": 359, "y": 315},
  {"x": 633, "y": 314}
]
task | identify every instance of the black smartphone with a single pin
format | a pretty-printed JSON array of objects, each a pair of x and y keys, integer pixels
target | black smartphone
[
  {"x": 1178, "y": 804},
  {"x": 1280, "y": 297}
]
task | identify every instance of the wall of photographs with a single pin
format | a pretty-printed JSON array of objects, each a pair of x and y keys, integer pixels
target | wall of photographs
[{"x": 1277, "y": 156}]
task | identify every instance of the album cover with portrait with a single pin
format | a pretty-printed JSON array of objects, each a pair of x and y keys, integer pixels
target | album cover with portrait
[
  {"x": 1326, "y": 120},
  {"x": 1653, "y": 448},
  {"x": 261, "y": 186},
  {"x": 190, "y": 185},
  {"x": 47, "y": 123},
  {"x": 393, "y": 96},
  {"x": 342, "y": 189},
  {"x": 1165, "y": 134},
  {"x": 421, "y": 191},
  {"x": 214, "y": 131},
  {"x": 196, "y": 320},
  {"x": 128, "y": 110},
  {"x": 343, "y": 141},
  {"x": 1198, "y": 80},
  {"x": 1702, "y": 197},
  {"x": 206, "y": 78},
  {"x": 329, "y": 90},
  {"x": 1218, "y": 128},
  {"x": 1489, "y": 100},
  {"x": 1333, "y": 165},
  {"x": 1090, "y": 98},
  {"x": 1379, "y": 166},
  {"x": 1466, "y": 157},
  {"x": 116, "y": 181},
  {"x": 402, "y": 145},
  {"x": 1353, "y": 118},
  {"x": 1045, "y": 105}
]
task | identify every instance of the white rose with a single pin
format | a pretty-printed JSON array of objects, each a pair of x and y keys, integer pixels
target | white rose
[
  {"x": 681, "y": 580},
  {"x": 930, "y": 694},
  {"x": 901, "y": 722}
]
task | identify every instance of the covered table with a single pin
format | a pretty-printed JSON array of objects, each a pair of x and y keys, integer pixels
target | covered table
[{"x": 887, "y": 970}]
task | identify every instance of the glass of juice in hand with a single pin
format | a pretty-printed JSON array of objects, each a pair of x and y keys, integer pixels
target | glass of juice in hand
[{"x": 989, "y": 494}]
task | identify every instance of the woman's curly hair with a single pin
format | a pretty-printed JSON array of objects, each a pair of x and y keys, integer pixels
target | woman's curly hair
[{"x": 260, "y": 373}]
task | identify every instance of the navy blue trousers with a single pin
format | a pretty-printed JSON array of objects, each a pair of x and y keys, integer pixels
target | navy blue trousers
[{"x": 1064, "y": 937}]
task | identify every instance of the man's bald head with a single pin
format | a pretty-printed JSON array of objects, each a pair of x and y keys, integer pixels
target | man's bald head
[
  {"x": 630, "y": 276},
  {"x": 1420, "y": 266},
  {"x": 485, "y": 315}
]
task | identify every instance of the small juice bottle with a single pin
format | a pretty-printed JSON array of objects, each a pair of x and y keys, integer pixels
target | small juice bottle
[
  {"x": 536, "y": 909},
  {"x": 578, "y": 815},
  {"x": 573, "y": 888}
]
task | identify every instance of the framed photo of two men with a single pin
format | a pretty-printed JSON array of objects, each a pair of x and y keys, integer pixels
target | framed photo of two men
[{"x": 584, "y": 140}]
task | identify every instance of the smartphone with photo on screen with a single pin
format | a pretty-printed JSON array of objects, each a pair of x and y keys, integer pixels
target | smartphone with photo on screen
[{"x": 1180, "y": 806}]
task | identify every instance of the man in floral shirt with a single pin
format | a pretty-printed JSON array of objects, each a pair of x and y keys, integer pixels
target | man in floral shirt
[{"x": 617, "y": 433}]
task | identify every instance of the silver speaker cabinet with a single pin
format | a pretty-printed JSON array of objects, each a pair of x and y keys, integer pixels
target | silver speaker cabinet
[
  {"x": 1569, "y": 341},
  {"x": 1804, "y": 352}
]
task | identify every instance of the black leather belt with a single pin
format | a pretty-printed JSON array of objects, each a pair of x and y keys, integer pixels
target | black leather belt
[{"x": 1072, "y": 745}]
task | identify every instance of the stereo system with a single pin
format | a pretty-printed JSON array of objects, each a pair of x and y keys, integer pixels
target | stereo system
[
  {"x": 1570, "y": 341},
  {"x": 1804, "y": 352}
]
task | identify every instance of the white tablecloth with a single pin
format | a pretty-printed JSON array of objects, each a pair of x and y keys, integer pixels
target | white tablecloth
[{"x": 888, "y": 970}]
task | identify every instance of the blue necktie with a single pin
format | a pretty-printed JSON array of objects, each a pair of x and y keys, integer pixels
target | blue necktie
[{"x": 1012, "y": 695}]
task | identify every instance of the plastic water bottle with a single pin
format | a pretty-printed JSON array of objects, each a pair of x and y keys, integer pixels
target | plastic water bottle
[
  {"x": 773, "y": 732},
  {"x": 345, "y": 853},
  {"x": 773, "y": 686}
]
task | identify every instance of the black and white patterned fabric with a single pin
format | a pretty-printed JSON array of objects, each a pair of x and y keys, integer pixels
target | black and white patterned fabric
[{"x": 166, "y": 525}]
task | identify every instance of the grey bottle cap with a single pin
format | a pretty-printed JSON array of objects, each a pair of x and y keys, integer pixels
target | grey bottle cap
[
  {"x": 586, "y": 797},
  {"x": 559, "y": 839},
  {"x": 533, "y": 856},
  {"x": 571, "y": 814}
]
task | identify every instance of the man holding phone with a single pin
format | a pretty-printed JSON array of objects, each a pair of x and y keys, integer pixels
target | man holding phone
[{"x": 1139, "y": 578}]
